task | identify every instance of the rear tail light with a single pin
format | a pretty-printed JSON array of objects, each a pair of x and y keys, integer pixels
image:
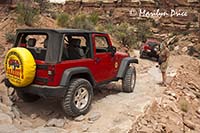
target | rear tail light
[
  {"x": 51, "y": 70},
  {"x": 146, "y": 47}
]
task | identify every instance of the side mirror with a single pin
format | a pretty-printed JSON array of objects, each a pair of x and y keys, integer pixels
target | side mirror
[{"x": 112, "y": 49}]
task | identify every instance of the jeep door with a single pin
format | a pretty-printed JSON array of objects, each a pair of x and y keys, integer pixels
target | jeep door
[{"x": 104, "y": 61}]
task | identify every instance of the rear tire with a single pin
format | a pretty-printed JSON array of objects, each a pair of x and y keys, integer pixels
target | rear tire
[
  {"x": 129, "y": 80},
  {"x": 78, "y": 97},
  {"x": 27, "y": 97}
]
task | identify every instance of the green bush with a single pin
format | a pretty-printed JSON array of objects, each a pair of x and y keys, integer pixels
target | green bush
[
  {"x": 188, "y": 25},
  {"x": 53, "y": 15},
  {"x": 27, "y": 14},
  {"x": 143, "y": 31},
  {"x": 184, "y": 105},
  {"x": 195, "y": 19},
  {"x": 109, "y": 27},
  {"x": 125, "y": 34},
  {"x": 63, "y": 19},
  {"x": 81, "y": 21},
  {"x": 10, "y": 37},
  {"x": 43, "y": 5},
  {"x": 94, "y": 18},
  {"x": 100, "y": 28}
]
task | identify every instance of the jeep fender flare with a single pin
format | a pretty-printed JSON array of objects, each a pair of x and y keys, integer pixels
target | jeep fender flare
[
  {"x": 69, "y": 73},
  {"x": 124, "y": 65}
]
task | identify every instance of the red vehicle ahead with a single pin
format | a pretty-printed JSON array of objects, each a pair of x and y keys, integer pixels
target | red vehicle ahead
[
  {"x": 150, "y": 49},
  {"x": 69, "y": 64}
]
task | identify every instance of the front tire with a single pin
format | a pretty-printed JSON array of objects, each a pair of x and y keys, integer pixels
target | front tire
[
  {"x": 141, "y": 54},
  {"x": 27, "y": 97},
  {"x": 129, "y": 80},
  {"x": 78, "y": 97}
]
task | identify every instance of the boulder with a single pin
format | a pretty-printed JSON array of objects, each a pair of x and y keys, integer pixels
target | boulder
[
  {"x": 47, "y": 112},
  {"x": 5, "y": 108},
  {"x": 176, "y": 48},
  {"x": 80, "y": 118},
  {"x": 56, "y": 122},
  {"x": 34, "y": 116},
  {"x": 184, "y": 49},
  {"x": 46, "y": 130},
  {"x": 94, "y": 116},
  {"x": 26, "y": 123},
  {"x": 8, "y": 128},
  {"x": 124, "y": 127},
  {"x": 189, "y": 124},
  {"x": 5, "y": 119},
  {"x": 85, "y": 128},
  {"x": 198, "y": 111},
  {"x": 145, "y": 130},
  {"x": 192, "y": 1}
]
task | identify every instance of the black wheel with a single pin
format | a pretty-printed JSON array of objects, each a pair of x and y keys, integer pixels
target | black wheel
[
  {"x": 141, "y": 54},
  {"x": 78, "y": 97},
  {"x": 129, "y": 80},
  {"x": 27, "y": 97}
]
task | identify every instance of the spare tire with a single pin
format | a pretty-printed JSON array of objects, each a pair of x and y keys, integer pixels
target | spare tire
[{"x": 20, "y": 67}]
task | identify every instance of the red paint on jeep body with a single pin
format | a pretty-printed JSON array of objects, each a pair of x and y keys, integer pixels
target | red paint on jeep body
[{"x": 103, "y": 66}]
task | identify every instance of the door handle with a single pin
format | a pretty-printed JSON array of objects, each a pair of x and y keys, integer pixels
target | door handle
[{"x": 98, "y": 60}]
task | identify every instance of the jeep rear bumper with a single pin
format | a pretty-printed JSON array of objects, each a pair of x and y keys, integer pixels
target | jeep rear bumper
[{"x": 44, "y": 91}]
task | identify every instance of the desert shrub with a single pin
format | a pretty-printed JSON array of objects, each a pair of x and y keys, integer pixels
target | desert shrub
[
  {"x": 125, "y": 34},
  {"x": 100, "y": 28},
  {"x": 94, "y": 18},
  {"x": 63, "y": 19},
  {"x": 153, "y": 22},
  {"x": 43, "y": 5},
  {"x": 53, "y": 15},
  {"x": 109, "y": 27},
  {"x": 10, "y": 37},
  {"x": 183, "y": 104},
  {"x": 143, "y": 31},
  {"x": 81, "y": 21},
  {"x": 186, "y": 32},
  {"x": 188, "y": 25},
  {"x": 195, "y": 19},
  {"x": 27, "y": 14}
]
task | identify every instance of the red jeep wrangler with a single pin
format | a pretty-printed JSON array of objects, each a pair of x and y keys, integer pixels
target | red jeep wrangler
[{"x": 67, "y": 63}]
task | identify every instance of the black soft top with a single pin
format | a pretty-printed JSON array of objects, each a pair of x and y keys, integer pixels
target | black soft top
[
  {"x": 62, "y": 31},
  {"x": 55, "y": 39}
]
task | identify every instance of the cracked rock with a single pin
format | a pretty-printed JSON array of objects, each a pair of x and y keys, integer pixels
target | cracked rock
[
  {"x": 198, "y": 111},
  {"x": 94, "y": 116},
  {"x": 34, "y": 116},
  {"x": 80, "y": 118},
  {"x": 189, "y": 124},
  {"x": 56, "y": 122}
]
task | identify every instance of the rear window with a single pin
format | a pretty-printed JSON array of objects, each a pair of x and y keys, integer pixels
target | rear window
[
  {"x": 36, "y": 44},
  {"x": 152, "y": 44},
  {"x": 40, "y": 40}
]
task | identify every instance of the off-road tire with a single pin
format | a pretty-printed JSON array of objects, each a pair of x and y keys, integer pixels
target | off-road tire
[
  {"x": 68, "y": 103},
  {"x": 141, "y": 54},
  {"x": 129, "y": 80},
  {"x": 27, "y": 97}
]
